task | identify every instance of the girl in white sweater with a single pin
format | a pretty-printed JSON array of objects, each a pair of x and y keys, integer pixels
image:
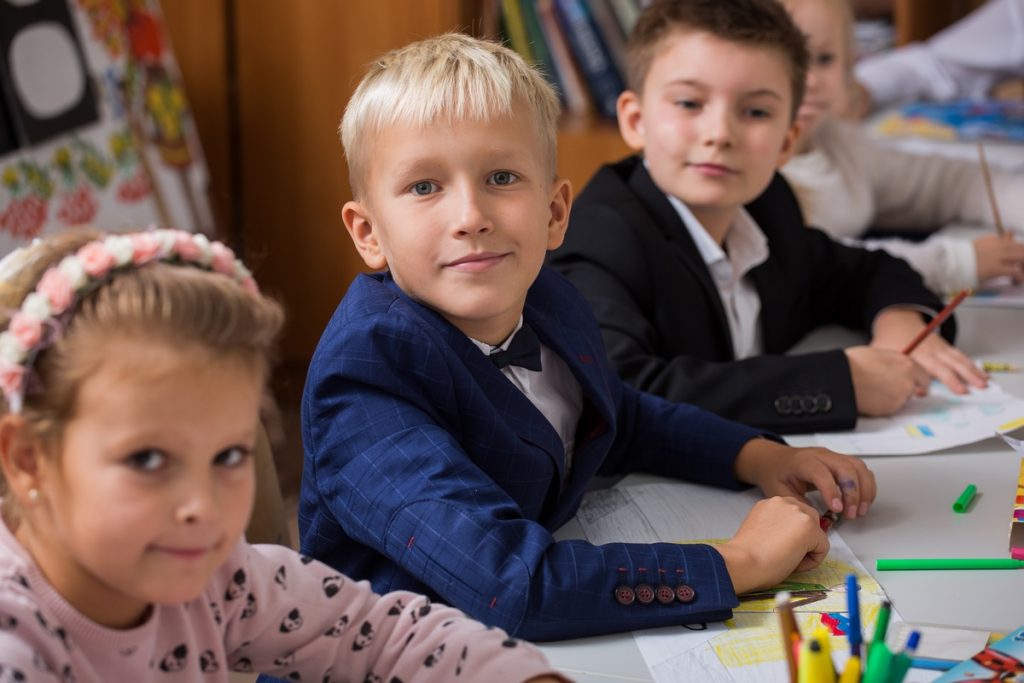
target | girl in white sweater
[{"x": 848, "y": 184}]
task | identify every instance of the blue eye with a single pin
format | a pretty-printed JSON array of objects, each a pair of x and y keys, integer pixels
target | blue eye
[
  {"x": 231, "y": 457},
  {"x": 146, "y": 461},
  {"x": 824, "y": 59},
  {"x": 759, "y": 113},
  {"x": 423, "y": 188},
  {"x": 503, "y": 178}
]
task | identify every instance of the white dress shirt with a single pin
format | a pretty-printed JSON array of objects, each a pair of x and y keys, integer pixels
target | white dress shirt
[
  {"x": 746, "y": 247},
  {"x": 553, "y": 391}
]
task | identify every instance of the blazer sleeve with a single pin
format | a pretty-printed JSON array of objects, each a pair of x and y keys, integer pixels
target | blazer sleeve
[
  {"x": 400, "y": 483},
  {"x": 614, "y": 275}
]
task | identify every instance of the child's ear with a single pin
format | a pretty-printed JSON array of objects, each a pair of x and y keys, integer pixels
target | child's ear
[
  {"x": 21, "y": 459},
  {"x": 631, "y": 122},
  {"x": 561, "y": 202},
  {"x": 788, "y": 144},
  {"x": 359, "y": 224}
]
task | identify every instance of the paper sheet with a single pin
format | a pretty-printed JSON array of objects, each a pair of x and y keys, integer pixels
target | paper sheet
[
  {"x": 748, "y": 647},
  {"x": 1001, "y": 294},
  {"x": 935, "y": 422}
]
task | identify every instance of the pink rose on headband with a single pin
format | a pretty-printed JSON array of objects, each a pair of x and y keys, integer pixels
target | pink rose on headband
[
  {"x": 26, "y": 329},
  {"x": 145, "y": 248},
  {"x": 185, "y": 247},
  {"x": 12, "y": 377},
  {"x": 223, "y": 259},
  {"x": 96, "y": 260},
  {"x": 249, "y": 285},
  {"x": 55, "y": 287}
]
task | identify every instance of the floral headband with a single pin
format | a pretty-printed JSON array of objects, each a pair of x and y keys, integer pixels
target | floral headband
[{"x": 35, "y": 325}]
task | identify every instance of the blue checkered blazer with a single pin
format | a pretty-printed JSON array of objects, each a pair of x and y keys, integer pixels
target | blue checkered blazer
[{"x": 427, "y": 470}]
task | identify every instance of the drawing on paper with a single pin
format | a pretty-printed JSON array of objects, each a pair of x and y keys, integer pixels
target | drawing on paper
[{"x": 928, "y": 424}]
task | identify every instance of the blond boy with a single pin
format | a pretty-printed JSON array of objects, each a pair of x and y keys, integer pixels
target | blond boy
[{"x": 459, "y": 403}]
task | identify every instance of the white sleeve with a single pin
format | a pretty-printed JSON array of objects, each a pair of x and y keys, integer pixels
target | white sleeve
[
  {"x": 963, "y": 61},
  {"x": 946, "y": 264},
  {"x": 926, "y": 191}
]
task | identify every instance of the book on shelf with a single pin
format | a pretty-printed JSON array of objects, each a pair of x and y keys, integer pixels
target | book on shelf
[
  {"x": 515, "y": 29},
  {"x": 539, "y": 46},
  {"x": 573, "y": 91},
  {"x": 595, "y": 61}
]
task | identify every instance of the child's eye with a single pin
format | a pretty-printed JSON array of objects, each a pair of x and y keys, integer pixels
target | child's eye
[
  {"x": 422, "y": 188},
  {"x": 231, "y": 457},
  {"x": 503, "y": 178},
  {"x": 824, "y": 58},
  {"x": 146, "y": 461},
  {"x": 688, "y": 104},
  {"x": 756, "y": 113}
]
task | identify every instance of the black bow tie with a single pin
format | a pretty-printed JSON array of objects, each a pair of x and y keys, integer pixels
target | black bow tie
[{"x": 524, "y": 351}]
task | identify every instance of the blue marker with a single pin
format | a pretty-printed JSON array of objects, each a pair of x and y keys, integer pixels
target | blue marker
[
  {"x": 932, "y": 664},
  {"x": 853, "y": 601}
]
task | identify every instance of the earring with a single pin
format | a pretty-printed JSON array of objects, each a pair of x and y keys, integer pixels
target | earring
[{"x": 33, "y": 495}]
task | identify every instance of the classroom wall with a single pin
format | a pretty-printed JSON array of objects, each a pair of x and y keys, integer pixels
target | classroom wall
[{"x": 297, "y": 64}]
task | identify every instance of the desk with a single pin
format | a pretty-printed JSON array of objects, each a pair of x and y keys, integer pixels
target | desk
[{"x": 911, "y": 516}]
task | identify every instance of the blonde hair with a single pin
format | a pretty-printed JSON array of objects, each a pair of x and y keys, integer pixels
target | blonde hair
[
  {"x": 453, "y": 76},
  {"x": 845, "y": 13},
  {"x": 181, "y": 304}
]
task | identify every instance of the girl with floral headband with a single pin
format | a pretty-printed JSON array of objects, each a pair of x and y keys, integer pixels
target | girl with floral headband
[{"x": 132, "y": 370}]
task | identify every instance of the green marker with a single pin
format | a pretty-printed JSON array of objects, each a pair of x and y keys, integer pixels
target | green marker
[
  {"x": 949, "y": 563},
  {"x": 961, "y": 504}
]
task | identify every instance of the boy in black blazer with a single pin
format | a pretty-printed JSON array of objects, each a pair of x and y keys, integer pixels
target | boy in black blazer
[{"x": 694, "y": 254}]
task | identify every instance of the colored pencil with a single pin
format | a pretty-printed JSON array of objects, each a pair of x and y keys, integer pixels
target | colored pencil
[
  {"x": 936, "y": 321},
  {"x": 987, "y": 177},
  {"x": 790, "y": 631}
]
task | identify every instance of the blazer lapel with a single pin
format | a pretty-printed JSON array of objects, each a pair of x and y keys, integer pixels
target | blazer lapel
[
  {"x": 510, "y": 404},
  {"x": 667, "y": 220}
]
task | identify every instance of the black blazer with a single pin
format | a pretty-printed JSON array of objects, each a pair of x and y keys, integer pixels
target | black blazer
[{"x": 663, "y": 322}]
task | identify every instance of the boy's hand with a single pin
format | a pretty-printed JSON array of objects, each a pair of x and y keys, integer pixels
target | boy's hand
[
  {"x": 884, "y": 379},
  {"x": 844, "y": 482},
  {"x": 895, "y": 328},
  {"x": 998, "y": 256},
  {"x": 778, "y": 537}
]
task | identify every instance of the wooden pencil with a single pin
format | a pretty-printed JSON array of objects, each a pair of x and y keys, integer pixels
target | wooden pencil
[
  {"x": 987, "y": 177},
  {"x": 936, "y": 321}
]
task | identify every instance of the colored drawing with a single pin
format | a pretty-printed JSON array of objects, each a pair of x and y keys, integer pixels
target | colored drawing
[
  {"x": 930, "y": 423},
  {"x": 747, "y": 647},
  {"x": 1000, "y": 661},
  {"x": 919, "y": 430}
]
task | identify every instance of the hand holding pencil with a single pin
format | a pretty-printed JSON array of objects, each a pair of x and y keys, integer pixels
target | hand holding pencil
[{"x": 905, "y": 330}]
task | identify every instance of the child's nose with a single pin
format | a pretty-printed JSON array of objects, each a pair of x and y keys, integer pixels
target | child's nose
[
  {"x": 471, "y": 215},
  {"x": 717, "y": 128},
  {"x": 198, "y": 502}
]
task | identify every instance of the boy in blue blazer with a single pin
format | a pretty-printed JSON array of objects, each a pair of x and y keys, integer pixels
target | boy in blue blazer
[
  {"x": 694, "y": 254},
  {"x": 459, "y": 402}
]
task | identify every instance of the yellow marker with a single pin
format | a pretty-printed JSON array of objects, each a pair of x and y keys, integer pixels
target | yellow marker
[
  {"x": 993, "y": 366},
  {"x": 815, "y": 663},
  {"x": 851, "y": 674}
]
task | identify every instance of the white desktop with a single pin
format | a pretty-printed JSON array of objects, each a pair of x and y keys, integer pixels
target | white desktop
[{"x": 911, "y": 517}]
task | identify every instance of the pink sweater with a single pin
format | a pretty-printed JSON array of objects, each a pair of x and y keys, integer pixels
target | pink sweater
[{"x": 266, "y": 610}]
